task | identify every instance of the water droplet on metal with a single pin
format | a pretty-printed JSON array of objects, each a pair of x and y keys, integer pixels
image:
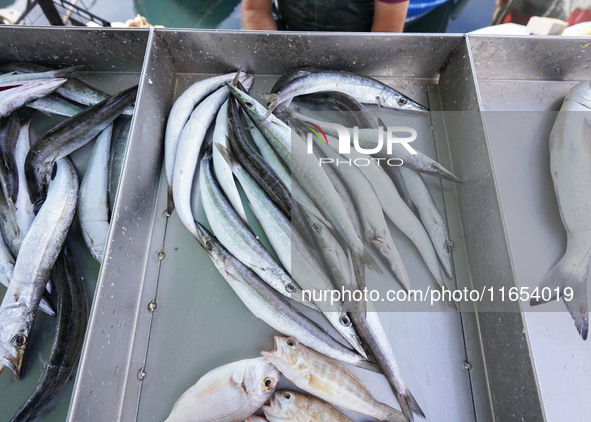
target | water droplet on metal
[
  {"x": 467, "y": 366},
  {"x": 141, "y": 374},
  {"x": 152, "y": 306},
  {"x": 161, "y": 255},
  {"x": 432, "y": 128}
]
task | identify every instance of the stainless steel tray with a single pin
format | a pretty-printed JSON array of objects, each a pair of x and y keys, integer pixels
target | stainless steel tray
[
  {"x": 163, "y": 316},
  {"x": 112, "y": 60},
  {"x": 521, "y": 84}
]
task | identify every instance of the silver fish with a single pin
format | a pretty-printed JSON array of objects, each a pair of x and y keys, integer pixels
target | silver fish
[
  {"x": 37, "y": 254},
  {"x": 93, "y": 206},
  {"x": 15, "y": 95},
  {"x": 570, "y": 167},
  {"x": 267, "y": 305},
  {"x": 181, "y": 111},
  {"x": 55, "y": 105},
  {"x": 229, "y": 393},
  {"x": 362, "y": 88},
  {"x": 187, "y": 155},
  {"x": 19, "y": 77}
]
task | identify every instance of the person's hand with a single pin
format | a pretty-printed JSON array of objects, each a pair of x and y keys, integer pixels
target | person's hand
[
  {"x": 389, "y": 17},
  {"x": 256, "y": 14}
]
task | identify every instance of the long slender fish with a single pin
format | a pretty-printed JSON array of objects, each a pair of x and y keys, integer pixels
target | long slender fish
[
  {"x": 432, "y": 220},
  {"x": 55, "y": 105},
  {"x": 121, "y": 132},
  {"x": 93, "y": 206},
  {"x": 15, "y": 95},
  {"x": 360, "y": 87},
  {"x": 188, "y": 152},
  {"x": 290, "y": 247},
  {"x": 304, "y": 167},
  {"x": 11, "y": 77},
  {"x": 37, "y": 255},
  {"x": 371, "y": 216},
  {"x": 327, "y": 379},
  {"x": 237, "y": 238},
  {"x": 9, "y": 132},
  {"x": 69, "y": 136},
  {"x": 289, "y": 406},
  {"x": 228, "y": 393},
  {"x": 223, "y": 172},
  {"x": 267, "y": 305},
  {"x": 67, "y": 342},
  {"x": 570, "y": 166},
  {"x": 179, "y": 115}
]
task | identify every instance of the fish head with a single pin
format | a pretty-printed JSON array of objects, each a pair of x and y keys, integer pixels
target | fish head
[
  {"x": 289, "y": 357},
  {"x": 401, "y": 102},
  {"x": 581, "y": 94},
  {"x": 15, "y": 325},
  {"x": 260, "y": 380},
  {"x": 283, "y": 405},
  {"x": 253, "y": 108}
]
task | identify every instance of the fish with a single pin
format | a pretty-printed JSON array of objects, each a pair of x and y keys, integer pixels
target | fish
[
  {"x": 32, "y": 268},
  {"x": 267, "y": 305},
  {"x": 289, "y": 246},
  {"x": 9, "y": 132},
  {"x": 6, "y": 263},
  {"x": 187, "y": 155},
  {"x": 374, "y": 227},
  {"x": 69, "y": 136},
  {"x": 430, "y": 217},
  {"x": 93, "y": 205},
  {"x": 327, "y": 379},
  {"x": 238, "y": 239},
  {"x": 179, "y": 115},
  {"x": 289, "y": 406},
  {"x": 16, "y": 95},
  {"x": 256, "y": 166},
  {"x": 362, "y": 88},
  {"x": 228, "y": 393},
  {"x": 121, "y": 132},
  {"x": 304, "y": 168},
  {"x": 71, "y": 320},
  {"x": 570, "y": 167},
  {"x": 12, "y": 77},
  {"x": 55, "y": 105},
  {"x": 223, "y": 172}
]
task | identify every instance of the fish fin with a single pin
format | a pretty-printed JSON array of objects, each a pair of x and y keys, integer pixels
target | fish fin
[
  {"x": 409, "y": 405},
  {"x": 226, "y": 154},
  {"x": 269, "y": 98},
  {"x": 445, "y": 173},
  {"x": 236, "y": 79},
  {"x": 46, "y": 307},
  {"x": 561, "y": 276}
]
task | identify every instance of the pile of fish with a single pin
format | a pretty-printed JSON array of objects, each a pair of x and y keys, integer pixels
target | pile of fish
[
  {"x": 41, "y": 195},
  {"x": 322, "y": 223}
]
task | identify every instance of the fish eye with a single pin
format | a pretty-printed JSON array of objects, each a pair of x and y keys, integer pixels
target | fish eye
[
  {"x": 268, "y": 384},
  {"x": 316, "y": 228},
  {"x": 249, "y": 104},
  {"x": 209, "y": 245},
  {"x": 291, "y": 288},
  {"x": 18, "y": 340},
  {"x": 292, "y": 342},
  {"x": 287, "y": 395},
  {"x": 345, "y": 321},
  {"x": 402, "y": 101}
]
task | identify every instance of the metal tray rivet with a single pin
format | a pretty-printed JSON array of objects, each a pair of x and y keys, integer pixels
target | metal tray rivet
[
  {"x": 467, "y": 366},
  {"x": 161, "y": 255},
  {"x": 152, "y": 306},
  {"x": 141, "y": 374}
]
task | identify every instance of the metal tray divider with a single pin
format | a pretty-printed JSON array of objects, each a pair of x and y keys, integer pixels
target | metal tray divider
[{"x": 103, "y": 380}]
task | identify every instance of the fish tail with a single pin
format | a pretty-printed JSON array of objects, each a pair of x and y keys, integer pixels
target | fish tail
[
  {"x": 560, "y": 277},
  {"x": 169, "y": 202},
  {"x": 409, "y": 405},
  {"x": 394, "y": 415}
]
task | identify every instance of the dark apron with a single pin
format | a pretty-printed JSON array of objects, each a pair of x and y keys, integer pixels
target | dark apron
[{"x": 326, "y": 15}]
